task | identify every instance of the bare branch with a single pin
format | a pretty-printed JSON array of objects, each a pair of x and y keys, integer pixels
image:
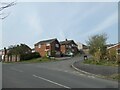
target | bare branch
[
  {"x": 4, "y": 15},
  {"x": 7, "y": 5}
]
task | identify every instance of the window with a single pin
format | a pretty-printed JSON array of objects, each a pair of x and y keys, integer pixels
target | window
[
  {"x": 56, "y": 45},
  {"x": 47, "y": 47},
  {"x": 47, "y": 44},
  {"x": 73, "y": 50},
  {"x": 69, "y": 46},
  {"x": 39, "y": 45},
  {"x": 118, "y": 51}
]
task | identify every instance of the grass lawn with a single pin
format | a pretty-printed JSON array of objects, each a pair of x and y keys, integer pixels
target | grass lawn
[
  {"x": 35, "y": 60},
  {"x": 38, "y": 60},
  {"x": 102, "y": 62}
]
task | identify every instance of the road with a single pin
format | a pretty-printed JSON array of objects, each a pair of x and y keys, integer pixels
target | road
[{"x": 57, "y": 74}]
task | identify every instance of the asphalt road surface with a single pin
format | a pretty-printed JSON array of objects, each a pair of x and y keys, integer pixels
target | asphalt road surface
[{"x": 57, "y": 74}]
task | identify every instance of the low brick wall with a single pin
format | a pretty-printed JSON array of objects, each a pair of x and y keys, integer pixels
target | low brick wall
[{"x": 11, "y": 58}]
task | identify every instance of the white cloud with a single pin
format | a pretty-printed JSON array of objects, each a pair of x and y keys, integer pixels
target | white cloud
[{"x": 109, "y": 21}]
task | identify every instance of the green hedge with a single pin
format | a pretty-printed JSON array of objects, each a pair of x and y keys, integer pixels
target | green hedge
[{"x": 29, "y": 56}]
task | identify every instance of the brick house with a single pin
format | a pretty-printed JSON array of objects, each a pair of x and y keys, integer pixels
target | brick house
[
  {"x": 49, "y": 47},
  {"x": 68, "y": 46},
  {"x": 115, "y": 49},
  {"x": 83, "y": 48}
]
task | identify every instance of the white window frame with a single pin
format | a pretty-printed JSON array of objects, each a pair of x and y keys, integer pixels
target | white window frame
[
  {"x": 73, "y": 45},
  {"x": 39, "y": 46},
  {"x": 73, "y": 50},
  {"x": 57, "y": 45},
  {"x": 48, "y": 44},
  {"x": 70, "y": 46}
]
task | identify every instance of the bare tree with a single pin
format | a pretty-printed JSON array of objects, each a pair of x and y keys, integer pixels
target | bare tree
[{"x": 4, "y": 6}]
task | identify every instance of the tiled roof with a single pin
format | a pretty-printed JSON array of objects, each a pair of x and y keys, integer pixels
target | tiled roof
[
  {"x": 114, "y": 45},
  {"x": 46, "y": 41},
  {"x": 67, "y": 42}
]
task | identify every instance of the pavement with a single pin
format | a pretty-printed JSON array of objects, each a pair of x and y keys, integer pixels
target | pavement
[
  {"x": 62, "y": 58},
  {"x": 96, "y": 69},
  {"x": 57, "y": 74}
]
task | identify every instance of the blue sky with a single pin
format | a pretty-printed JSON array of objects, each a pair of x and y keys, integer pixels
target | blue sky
[{"x": 30, "y": 22}]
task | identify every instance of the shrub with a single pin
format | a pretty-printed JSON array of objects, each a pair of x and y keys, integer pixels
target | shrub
[{"x": 29, "y": 56}]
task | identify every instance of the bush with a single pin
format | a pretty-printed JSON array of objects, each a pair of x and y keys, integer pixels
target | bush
[{"x": 29, "y": 56}]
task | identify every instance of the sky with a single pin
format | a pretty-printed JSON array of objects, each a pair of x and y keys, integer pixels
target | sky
[{"x": 30, "y": 22}]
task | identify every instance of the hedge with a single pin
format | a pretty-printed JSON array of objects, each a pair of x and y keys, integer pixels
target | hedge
[{"x": 29, "y": 56}]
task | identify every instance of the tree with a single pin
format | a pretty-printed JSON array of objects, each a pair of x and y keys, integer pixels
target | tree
[
  {"x": 4, "y": 6},
  {"x": 19, "y": 49},
  {"x": 97, "y": 46}
]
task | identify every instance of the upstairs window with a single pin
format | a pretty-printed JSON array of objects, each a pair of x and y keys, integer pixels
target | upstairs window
[
  {"x": 57, "y": 45},
  {"x": 39, "y": 45},
  {"x": 67, "y": 46},
  {"x": 47, "y": 44},
  {"x": 70, "y": 46}
]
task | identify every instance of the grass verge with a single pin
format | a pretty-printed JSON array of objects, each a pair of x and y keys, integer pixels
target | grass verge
[
  {"x": 113, "y": 77},
  {"x": 38, "y": 60},
  {"x": 102, "y": 62},
  {"x": 35, "y": 60}
]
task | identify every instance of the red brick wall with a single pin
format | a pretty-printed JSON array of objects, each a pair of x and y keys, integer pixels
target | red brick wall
[
  {"x": 42, "y": 49},
  {"x": 63, "y": 49},
  {"x": 52, "y": 47}
]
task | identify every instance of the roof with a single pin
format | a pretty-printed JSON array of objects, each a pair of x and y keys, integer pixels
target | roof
[
  {"x": 67, "y": 42},
  {"x": 1, "y": 50},
  {"x": 78, "y": 43},
  {"x": 114, "y": 45},
  {"x": 109, "y": 45},
  {"x": 46, "y": 41}
]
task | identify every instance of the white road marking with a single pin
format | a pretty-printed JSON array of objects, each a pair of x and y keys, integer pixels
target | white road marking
[
  {"x": 16, "y": 70},
  {"x": 81, "y": 74},
  {"x": 91, "y": 76},
  {"x": 51, "y": 81}
]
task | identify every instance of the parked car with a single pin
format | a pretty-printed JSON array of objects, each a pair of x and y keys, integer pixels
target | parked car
[
  {"x": 70, "y": 54},
  {"x": 85, "y": 57}
]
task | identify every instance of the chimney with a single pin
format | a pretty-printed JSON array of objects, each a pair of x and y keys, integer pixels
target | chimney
[
  {"x": 5, "y": 50},
  {"x": 66, "y": 39}
]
